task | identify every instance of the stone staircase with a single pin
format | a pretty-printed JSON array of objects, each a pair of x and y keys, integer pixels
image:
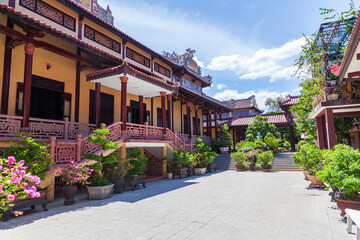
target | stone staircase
[
  {"x": 284, "y": 162},
  {"x": 224, "y": 162}
]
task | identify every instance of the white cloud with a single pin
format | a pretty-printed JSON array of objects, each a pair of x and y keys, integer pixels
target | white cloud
[
  {"x": 221, "y": 86},
  {"x": 161, "y": 27},
  {"x": 199, "y": 63},
  {"x": 275, "y": 63},
  {"x": 260, "y": 95}
]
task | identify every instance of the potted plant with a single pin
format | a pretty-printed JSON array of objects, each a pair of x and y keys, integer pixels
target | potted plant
[
  {"x": 287, "y": 146},
  {"x": 169, "y": 165},
  {"x": 16, "y": 190},
  {"x": 204, "y": 157},
  {"x": 180, "y": 162},
  {"x": 240, "y": 159},
  {"x": 309, "y": 158},
  {"x": 100, "y": 186},
  {"x": 272, "y": 142},
  {"x": 136, "y": 172},
  {"x": 342, "y": 172},
  {"x": 223, "y": 140},
  {"x": 265, "y": 159},
  {"x": 251, "y": 159},
  {"x": 72, "y": 174},
  {"x": 115, "y": 172}
]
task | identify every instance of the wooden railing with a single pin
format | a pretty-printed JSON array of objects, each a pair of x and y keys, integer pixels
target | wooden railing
[
  {"x": 9, "y": 125},
  {"x": 185, "y": 138}
]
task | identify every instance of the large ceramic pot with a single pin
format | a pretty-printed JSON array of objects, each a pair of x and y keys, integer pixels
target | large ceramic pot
[
  {"x": 266, "y": 167},
  {"x": 306, "y": 174},
  {"x": 69, "y": 194},
  {"x": 100, "y": 192},
  {"x": 224, "y": 150},
  {"x": 240, "y": 167},
  {"x": 344, "y": 204},
  {"x": 200, "y": 171},
  {"x": 119, "y": 185},
  {"x": 315, "y": 183}
]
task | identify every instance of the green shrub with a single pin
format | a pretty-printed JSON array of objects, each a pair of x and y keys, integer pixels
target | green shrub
[
  {"x": 223, "y": 137},
  {"x": 265, "y": 157},
  {"x": 136, "y": 161},
  {"x": 204, "y": 155},
  {"x": 259, "y": 145},
  {"x": 309, "y": 158},
  {"x": 251, "y": 156},
  {"x": 99, "y": 181},
  {"x": 342, "y": 171},
  {"x": 271, "y": 141},
  {"x": 35, "y": 155},
  {"x": 286, "y": 145},
  {"x": 238, "y": 157},
  {"x": 247, "y": 149},
  {"x": 300, "y": 143},
  {"x": 248, "y": 144},
  {"x": 239, "y": 145},
  {"x": 281, "y": 149}
]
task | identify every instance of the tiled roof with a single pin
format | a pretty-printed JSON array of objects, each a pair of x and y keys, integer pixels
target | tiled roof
[
  {"x": 290, "y": 101},
  {"x": 276, "y": 118},
  {"x": 243, "y": 103}
]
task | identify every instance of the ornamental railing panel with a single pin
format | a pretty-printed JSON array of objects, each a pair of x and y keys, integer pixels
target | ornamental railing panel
[{"x": 9, "y": 125}]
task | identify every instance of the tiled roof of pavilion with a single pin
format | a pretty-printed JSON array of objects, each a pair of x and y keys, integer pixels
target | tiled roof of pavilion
[
  {"x": 243, "y": 103},
  {"x": 292, "y": 100},
  {"x": 275, "y": 118}
]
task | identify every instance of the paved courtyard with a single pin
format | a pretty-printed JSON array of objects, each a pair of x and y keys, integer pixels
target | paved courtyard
[{"x": 225, "y": 205}]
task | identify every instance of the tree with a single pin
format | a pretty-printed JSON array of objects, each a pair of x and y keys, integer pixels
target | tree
[
  {"x": 262, "y": 126},
  {"x": 224, "y": 137},
  {"x": 273, "y": 103}
]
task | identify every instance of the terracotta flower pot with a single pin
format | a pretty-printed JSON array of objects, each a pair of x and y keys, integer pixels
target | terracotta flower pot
[
  {"x": 315, "y": 183},
  {"x": 69, "y": 194},
  {"x": 276, "y": 150},
  {"x": 240, "y": 167},
  {"x": 344, "y": 204}
]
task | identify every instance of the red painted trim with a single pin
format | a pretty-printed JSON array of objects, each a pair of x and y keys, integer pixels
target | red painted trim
[
  {"x": 169, "y": 111},
  {"x": 123, "y": 102},
  {"x": 330, "y": 128},
  {"x": 80, "y": 26},
  {"x": 27, "y": 84},
  {"x": 6, "y": 72},
  {"x": 354, "y": 74},
  {"x": 97, "y": 104},
  {"x": 163, "y": 110}
]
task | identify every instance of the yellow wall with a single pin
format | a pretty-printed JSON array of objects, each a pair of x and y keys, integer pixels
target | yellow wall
[{"x": 3, "y": 21}]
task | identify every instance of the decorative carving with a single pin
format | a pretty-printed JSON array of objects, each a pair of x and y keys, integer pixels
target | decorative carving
[
  {"x": 83, "y": 130},
  {"x": 65, "y": 153},
  {"x": 29, "y": 48},
  {"x": 9, "y": 126},
  {"x": 101, "y": 39},
  {"x": 44, "y": 130},
  {"x": 154, "y": 165}
]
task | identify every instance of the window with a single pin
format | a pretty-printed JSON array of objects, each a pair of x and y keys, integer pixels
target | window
[
  {"x": 137, "y": 57},
  {"x": 106, "y": 108},
  {"x": 161, "y": 69},
  {"x": 159, "y": 118},
  {"x": 102, "y": 39},
  {"x": 194, "y": 124}
]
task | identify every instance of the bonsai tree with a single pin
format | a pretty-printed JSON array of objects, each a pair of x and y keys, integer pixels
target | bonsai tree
[
  {"x": 35, "y": 155},
  {"x": 309, "y": 158},
  {"x": 272, "y": 141},
  {"x": 137, "y": 162},
  {"x": 100, "y": 138},
  {"x": 205, "y": 156},
  {"x": 224, "y": 138},
  {"x": 342, "y": 171}
]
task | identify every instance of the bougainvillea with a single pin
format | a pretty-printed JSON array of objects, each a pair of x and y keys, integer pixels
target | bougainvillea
[
  {"x": 73, "y": 173},
  {"x": 15, "y": 183}
]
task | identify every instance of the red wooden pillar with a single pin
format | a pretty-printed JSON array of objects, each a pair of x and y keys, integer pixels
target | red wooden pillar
[
  {"x": 196, "y": 120},
  {"x": 163, "y": 111},
  {"x": 320, "y": 132},
  {"x": 124, "y": 81},
  {"x": 29, "y": 52},
  {"x": 77, "y": 87},
  {"x": 330, "y": 128},
  {"x": 6, "y": 72},
  {"x": 188, "y": 112},
  {"x": 292, "y": 137},
  {"x": 141, "y": 103},
  {"x": 216, "y": 126},
  {"x": 169, "y": 110},
  {"x": 97, "y": 104},
  {"x": 209, "y": 124}
]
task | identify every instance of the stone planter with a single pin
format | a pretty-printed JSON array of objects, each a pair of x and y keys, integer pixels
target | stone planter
[
  {"x": 343, "y": 204},
  {"x": 119, "y": 185},
  {"x": 69, "y": 194},
  {"x": 170, "y": 175},
  {"x": 133, "y": 181},
  {"x": 306, "y": 174},
  {"x": 200, "y": 171},
  {"x": 315, "y": 183},
  {"x": 224, "y": 150},
  {"x": 99, "y": 192},
  {"x": 266, "y": 167}
]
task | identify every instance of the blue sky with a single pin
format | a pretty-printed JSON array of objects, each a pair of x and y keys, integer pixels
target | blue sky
[{"x": 249, "y": 47}]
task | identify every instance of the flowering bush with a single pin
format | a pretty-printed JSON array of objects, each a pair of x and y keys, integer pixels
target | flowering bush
[
  {"x": 14, "y": 184},
  {"x": 75, "y": 173},
  {"x": 118, "y": 169},
  {"x": 137, "y": 163}
]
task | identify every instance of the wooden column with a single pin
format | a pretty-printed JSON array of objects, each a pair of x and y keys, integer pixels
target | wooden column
[
  {"x": 209, "y": 125},
  {"x": 163, "y": 111},
  {"x": 172, "y": 114},
  {"x": 292, "y": 137},
  {"x": 330, "y": 128},
  {"x": 169, "y": 111},
  {"x": 141, "y": 103},
  {"x": 181, "y": 117},
  {"x": 320, "y": 132},
  {"x": 216, "y": 126},
  {"x": 77, "y": 87},
  {"x": 80, "y": 26},
  {"x": 196, "y": 120},
  {"x": 188, "y": 112},
  {"x": 6, "y": 72},
  {"x": 29, "y": 52},
  {"x": 124, "y": 81},
  {"x": 97, "y": 104}
]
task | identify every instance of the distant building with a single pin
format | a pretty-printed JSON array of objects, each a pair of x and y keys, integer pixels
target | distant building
[{"x": 94, "y": 7}]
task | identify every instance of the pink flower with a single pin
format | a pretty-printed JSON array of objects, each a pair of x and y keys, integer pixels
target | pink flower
[
  {"x": 10, "y": 197},
  {"x": 11, "y": 160},
  {"x": 335, "y": 69},
  {"x": 68, "y": 176},
  {"x": 1, "y": 190},
  {"x": 18, "y": 213},
  {"x": 67, "y": 183}
]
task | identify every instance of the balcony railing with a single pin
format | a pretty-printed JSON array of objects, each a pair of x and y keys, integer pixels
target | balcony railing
[{"x": 190, "y": 85}]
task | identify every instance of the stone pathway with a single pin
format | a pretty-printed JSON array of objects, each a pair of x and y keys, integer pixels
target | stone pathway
[{"x": 223, "y": 205}]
